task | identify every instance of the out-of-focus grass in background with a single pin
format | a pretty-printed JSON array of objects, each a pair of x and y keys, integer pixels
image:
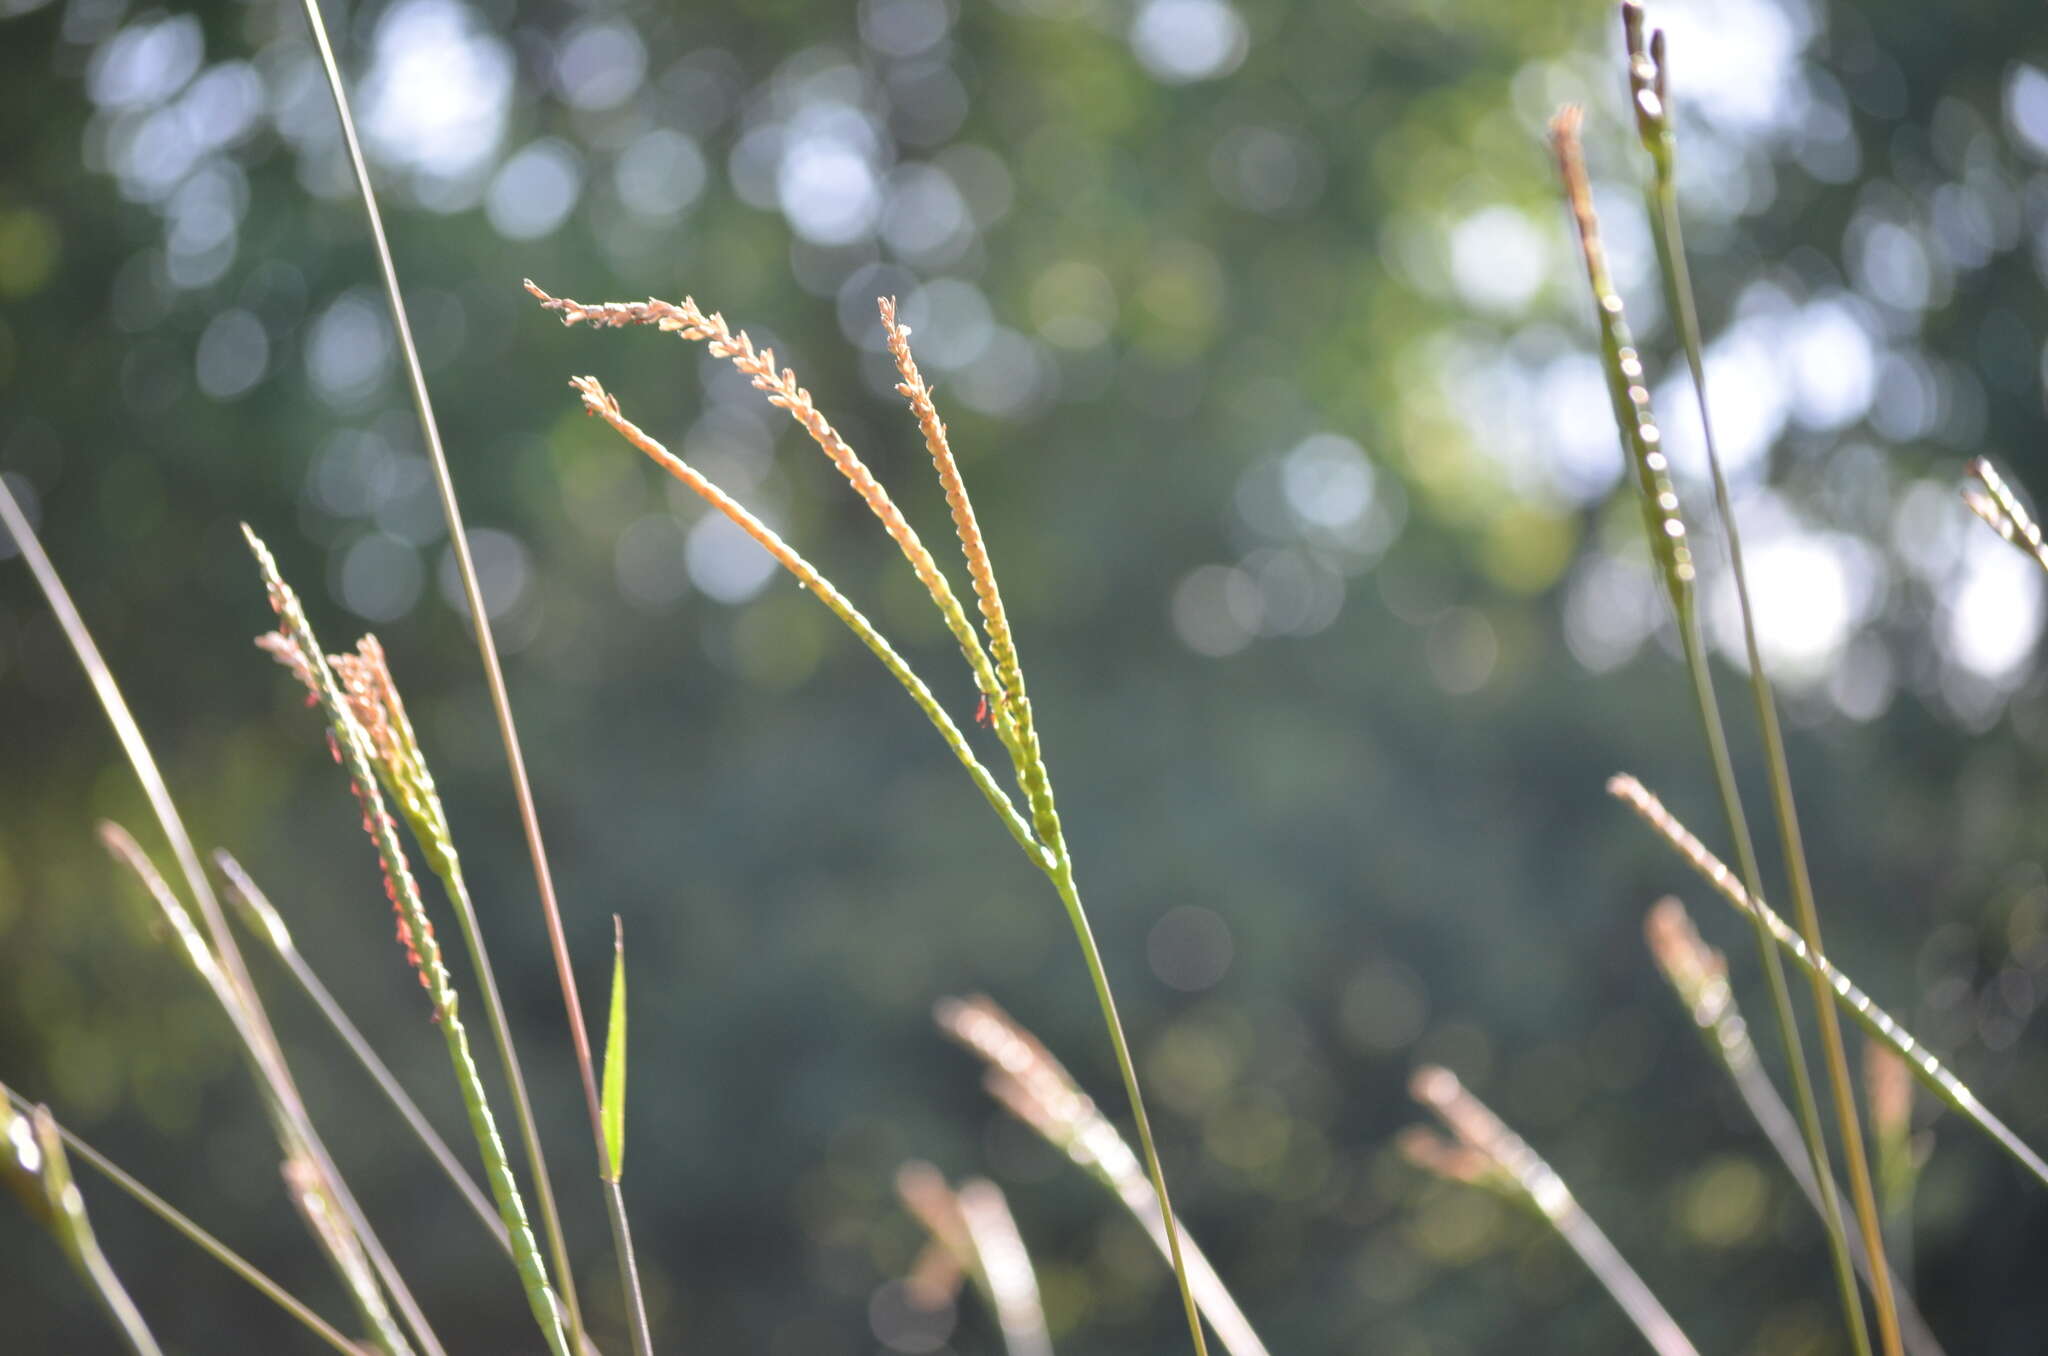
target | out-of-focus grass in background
[{"x": 1259, "y": 333}]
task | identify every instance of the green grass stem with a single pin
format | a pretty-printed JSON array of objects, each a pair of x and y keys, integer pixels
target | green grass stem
[
  {"x": 1650, "y": 87},
  {"x": 264, "y": 921},
  {"x": 316, "y": 1189},
  {"x": 1875, "y": 1021},
  {"x": 205, "y": 1241},
  {"x": 1642, "y": 444},
  {"x": 1699, "y": 976},
  {"x": 32, "y": 1162}
]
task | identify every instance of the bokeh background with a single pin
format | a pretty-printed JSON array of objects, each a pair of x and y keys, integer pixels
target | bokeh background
[{"x": 1262, "y": 341}]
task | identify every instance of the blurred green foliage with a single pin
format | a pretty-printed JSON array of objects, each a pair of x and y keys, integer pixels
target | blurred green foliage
[{"x": 1257, "y": 332}]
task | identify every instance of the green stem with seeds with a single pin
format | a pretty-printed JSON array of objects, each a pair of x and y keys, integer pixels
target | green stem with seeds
[
  {"x": 1874, "y": 1020},
  {"x": 1046, "y": 849},
  {"x": 352, "y": 743},
  {"x": 1650, "y": 86},
  {"x": 1642, "y": 444}
]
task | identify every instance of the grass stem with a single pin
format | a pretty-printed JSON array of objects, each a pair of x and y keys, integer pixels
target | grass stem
[
  {"x": 1043, "y": 840},
  {"x": 264, "y": 921},
  {"x": 1642, "y": 443},
  {"x": 32, "y": 1161},
  {"x": 1650, "y": 86},
  {"x": 205, "y": 1241},
  {"x": 1699, "y": 975},
  {"x": 1875, "y": 1021}
]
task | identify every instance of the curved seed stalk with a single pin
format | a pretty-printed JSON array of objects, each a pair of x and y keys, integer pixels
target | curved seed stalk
[
  {"x": 1699, "y": 976},
  {"x": 1867, "y": 1014},
  {"x": 977, "y": 1235},
  {"x": 1486, "y": 1146},
  {"x": 1048, "y": 849},
  {"x": 688, "y": 321},
  {"x": 597, "y": 401},
  {"x": 1032, "y": 1085},
  {"x": 967, "y": 527}
]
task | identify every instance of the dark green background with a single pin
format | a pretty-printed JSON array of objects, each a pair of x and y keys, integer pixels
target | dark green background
[{"x": 1406, "y": 872}]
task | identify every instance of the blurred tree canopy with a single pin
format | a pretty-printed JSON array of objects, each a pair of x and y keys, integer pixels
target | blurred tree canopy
[{"x": 1260, "y": 336}]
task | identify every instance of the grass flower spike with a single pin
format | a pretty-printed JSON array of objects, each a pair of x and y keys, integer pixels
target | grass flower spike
[
  {"x": 1001, "y": 683},
  {"x": 416, "y": 933}
]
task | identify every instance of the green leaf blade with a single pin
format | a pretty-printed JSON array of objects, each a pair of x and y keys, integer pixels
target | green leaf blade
[{"x": 614, "y": 1102}]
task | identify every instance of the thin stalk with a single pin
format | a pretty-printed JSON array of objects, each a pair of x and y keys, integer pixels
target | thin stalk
[
  {"x": 417, "y": 934},
  {"x": 32, "y": 1162},
  {"x": 1875, "y": 1021},
  {"x": 401, "y": 765},
  {"x": 1642, "y": 442},
  {"x": 629, "y": 1269},
  {"x": 1699, "y": 976},
  {"x": 1063, "y": 880},
  {"x": 317, "y": 1190},
  {"x": 263, "y": 920},
  {"x": 1029, "y": 759},
  {"x": 1489, "y": 1154},
  {"x": 501, "y": 704},
  {"x": 206, "y": 1242},
  {"x": 1650, "y": 85}
]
